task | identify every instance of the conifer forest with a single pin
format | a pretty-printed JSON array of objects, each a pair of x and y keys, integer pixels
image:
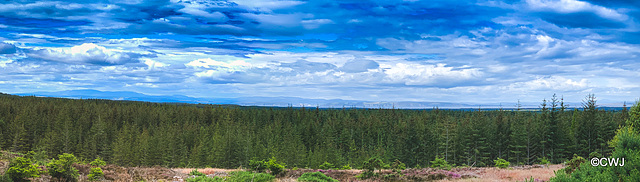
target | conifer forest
[{"x": 229, "y": 136}]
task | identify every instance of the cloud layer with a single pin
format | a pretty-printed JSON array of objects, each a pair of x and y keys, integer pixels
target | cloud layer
[{"x": 462, "y": 51}]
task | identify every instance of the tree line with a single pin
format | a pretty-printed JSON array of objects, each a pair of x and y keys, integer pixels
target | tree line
[{"x": 226, "y": 136}]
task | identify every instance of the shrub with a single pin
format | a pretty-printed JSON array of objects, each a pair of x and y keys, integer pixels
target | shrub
[
  {"x": 195, "y": 172},
  {"x": 22, "y": 168},
  {"x": 98, "y": 162},
  {"x": 256, "y": 165},
  {"x": 501, "y": 163},
  {"x": 574, "y": 163},
  {"x": 373, "y": 163},
  {"x": 95, "y": 174},
  {"x": 544, "y": 161},
  {"x": 243, "y": 176},
  {"x": 370, "y": 166},
  {"x": 204, "y": 179},
  {"x": 440, "y": 163},
  {"x": 62, "y": 168},
  {"x": 275, "y": 167},
  {"x": 5, "y": 178},
  {"x": 316, "y": 177},
  {"x": 346, "y": 167},
  {"x": 398, "y": 165},
  {"x": 326, "y": 165}
]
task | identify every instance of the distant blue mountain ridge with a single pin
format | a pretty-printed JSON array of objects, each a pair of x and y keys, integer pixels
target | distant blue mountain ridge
[{"x": 282, "y": 101}]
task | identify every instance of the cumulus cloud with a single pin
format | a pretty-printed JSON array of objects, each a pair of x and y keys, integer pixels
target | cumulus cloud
[
  {"x": 488, "y": 49},
  {"x": 306, "y": 66},
  {"x": 551, "y": 83},
  {"x": 7, "y": 48},
  {"x": 438, "y": 75},
  {"x": 87, "y": 53},
  {"x": 359, "y": 65}
]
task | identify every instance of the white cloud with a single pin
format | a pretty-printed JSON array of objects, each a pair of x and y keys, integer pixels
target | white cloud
[
  {"x": 431, "y": 75},
  {"x": 87, "y": 53},
  {"x": 210, "y": 63},
  {"x": 551, "y": 83},
  {"x": 573, "y": 6}
]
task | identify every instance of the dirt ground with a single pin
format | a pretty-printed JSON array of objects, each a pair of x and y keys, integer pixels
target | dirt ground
[
  {"x": 541, "y": 173},
  {"x": 476, "y": 174}
]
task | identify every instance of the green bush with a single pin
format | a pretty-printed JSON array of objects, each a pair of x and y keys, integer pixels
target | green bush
[
  {"x": 626, "y": 144},
  {"x": 195, "y": 172},
  {"x": 574, "y": 163},
  {"x": 501, "y": 163},
  {"x": 398, "y": 165},
  {"x": 346, "y": 167},
  {"x": 595, "y": 155},
  {"x": 275, "y": 167},
  {"x": 246, "y": 176},
  {"x": 204, "y": 179},
  {"x": 22, "y": 168},
  {"x": 256, "y": 165},
  {"x": 326, "y": 165},
  {"x": 316, "y": 177},
  {"x": 95, "y": 174},
  {"x": 98, "y": 162},
  {"x": 62, "y": 168},
  {"x": 440, "y": 163},
  {"x": 5, "y": 178},
  {"x": 260, "y": 166},
  {"x": 39, "y": 158},
  {"x": 369, "y": 166},
  {"x": 544, "y": 161}
]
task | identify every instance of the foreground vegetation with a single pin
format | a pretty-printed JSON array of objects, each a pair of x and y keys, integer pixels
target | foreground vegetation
[
  {"x": 172, "y": 135},
  {"x": 626, "y": 146}
]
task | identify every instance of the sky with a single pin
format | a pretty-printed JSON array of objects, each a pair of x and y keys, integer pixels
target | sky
[{"x": 392, "y": 50}]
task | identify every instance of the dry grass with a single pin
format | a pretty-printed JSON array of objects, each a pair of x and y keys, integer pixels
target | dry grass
[{"x": 518, "y": 174}]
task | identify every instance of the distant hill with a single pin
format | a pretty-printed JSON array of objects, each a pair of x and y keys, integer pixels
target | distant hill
[{"x": 286, "y": 101}]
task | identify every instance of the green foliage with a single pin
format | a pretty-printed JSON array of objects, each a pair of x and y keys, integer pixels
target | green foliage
[
  {"x": 369, "y": 166},
  {"x": 531, "y": 179},
  {"x": 346, "y": 167},
  {"x": 95, "y": 174},
  {"x": 62, "y": 167},
  {"x": 626, "y": 145},
  {"x": 22, "y": 168},
  {"x": 205, "y": 179},
  {"x": 373, "y": 164},
  {"x": 5, "y": 178},
  {"x": 397, "y": 165},
  {"x": 440, "y": 163},
  {"x": 501, "y": 163},
  {"x": 98, "y": 162},
  {"x": 634, "y": 116},
  {"x": 256, "y": 165},
  {"x": 543, "y": 161},
  {"x": 574, "y": 163},
  {"x": 326, "y": 165},
  {"x": 195, "y": 172},
  {"x": 245, "y": 176},
  {"x": 275, "y": 167},
  {"x": 595, "y": 155},
  {"x": 316, "y": 177},
  {"x": 185, "y": 135}
]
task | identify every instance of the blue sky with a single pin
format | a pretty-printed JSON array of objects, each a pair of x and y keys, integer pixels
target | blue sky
[{"x": 453, "y": 51}]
